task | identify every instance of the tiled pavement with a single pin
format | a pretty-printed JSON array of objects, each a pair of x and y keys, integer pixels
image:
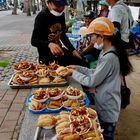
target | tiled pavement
[
  {"x": 15, "y": 34},
  {"x": 11, "y": 112},
  {"x": 19, "y": 52}
]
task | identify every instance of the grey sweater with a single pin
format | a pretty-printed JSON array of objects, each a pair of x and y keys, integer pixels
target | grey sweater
[{"x": 107, "y": 81}]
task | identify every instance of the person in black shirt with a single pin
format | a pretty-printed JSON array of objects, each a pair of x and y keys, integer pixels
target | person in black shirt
[{"x": 49, "y": 34}]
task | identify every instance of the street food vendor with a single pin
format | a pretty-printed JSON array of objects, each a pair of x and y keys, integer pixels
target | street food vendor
[{"x": 49, "y": 36}]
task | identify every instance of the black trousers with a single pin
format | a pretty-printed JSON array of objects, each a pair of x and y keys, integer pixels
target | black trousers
[
  {"x": 46, "y": 57},
  {"x": 125, "y": 45}
]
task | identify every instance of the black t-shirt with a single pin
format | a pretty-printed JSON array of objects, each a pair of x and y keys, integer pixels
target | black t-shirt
[{"x": 49, "y": 28}]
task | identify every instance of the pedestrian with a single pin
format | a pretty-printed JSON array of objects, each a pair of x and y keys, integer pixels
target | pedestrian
[
  {"x": 120, "y": 14},
  {"x": 49, "y": 36},
  {"x": 80, "y": 8},
  {"x": 104, "y": 9},
  {"x": 92, "y": 50},
  {"x": 89, "y": 16},
  {"x": 113, "y": 62},
  {"x": 21, "y": 6},
  {"x": 91, "y": 46}
]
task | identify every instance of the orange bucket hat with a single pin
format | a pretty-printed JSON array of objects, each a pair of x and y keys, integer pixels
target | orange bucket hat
[{"x": 101, "y": 26}]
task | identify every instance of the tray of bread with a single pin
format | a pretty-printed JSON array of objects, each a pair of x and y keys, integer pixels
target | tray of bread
[
  {"x": 78, "y": 124},
  {"x": 27, "y": 75},
  {"x": 56, "y": 99}
]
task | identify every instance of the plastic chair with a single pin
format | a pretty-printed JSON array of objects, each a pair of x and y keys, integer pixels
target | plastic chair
[{"x": 92, "y": 64}]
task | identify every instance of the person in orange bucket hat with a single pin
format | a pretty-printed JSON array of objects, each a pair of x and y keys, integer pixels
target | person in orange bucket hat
[
  {"x": 105, "y": 79},
  {"x": 101, "y": 26}
]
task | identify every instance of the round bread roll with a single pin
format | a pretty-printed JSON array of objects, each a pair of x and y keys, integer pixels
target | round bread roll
[
  {"x": 46, "y": 120},
  {"x": 58, "y": 80},
  {"x": 44, "y": 80},
  {"x": 90, "y": 138},
  {"x": 61, "y": 69}
]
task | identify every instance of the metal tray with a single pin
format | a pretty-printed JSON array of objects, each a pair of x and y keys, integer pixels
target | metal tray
[
  {"x": 50, "y": 134},
  {"x": 10, "y": 83},
  {"x": 45, "y": 134}
]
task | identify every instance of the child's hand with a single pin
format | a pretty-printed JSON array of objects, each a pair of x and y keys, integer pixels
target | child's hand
[
  {"x": 71, "y": 67},
  {"x": 68, "y": 73}
]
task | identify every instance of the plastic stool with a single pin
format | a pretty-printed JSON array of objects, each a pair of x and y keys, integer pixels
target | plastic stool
[{"x": 92, "y": 64}]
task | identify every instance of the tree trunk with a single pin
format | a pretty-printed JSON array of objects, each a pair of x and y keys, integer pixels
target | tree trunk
[
  {"x": 14, "y": 11},
  {"x": 43, "y": 4},
  {"x": 66, "y": 12},
  {"x": 28, "y": 8},
  {"x": 38, "y": 5},
  {"x": 25, "y": 6},
  {"x": 34, "y": 8},
  {"x": 139, "y": 15}
]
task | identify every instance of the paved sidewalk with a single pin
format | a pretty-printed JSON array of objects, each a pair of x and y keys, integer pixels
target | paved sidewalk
[{"x": 15, "y": 34}]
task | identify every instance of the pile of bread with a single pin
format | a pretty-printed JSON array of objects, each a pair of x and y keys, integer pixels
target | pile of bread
[
  {"x": 23, "y": 65},
  {"x": 40, "y": 94},
  {"x": 56, "y": 97},
  {"x": 65, "y": 130},
  {"x": 34, "y": 105},
  {"x": 38, "y": 73},
  {"x": 73, "y": 91}
]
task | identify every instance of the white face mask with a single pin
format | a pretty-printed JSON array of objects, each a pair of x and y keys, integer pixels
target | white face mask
[
  {"x": 99, "y": 47},
  {"x": 57, "y": 14}
]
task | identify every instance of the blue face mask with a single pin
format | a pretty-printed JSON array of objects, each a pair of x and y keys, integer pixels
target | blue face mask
[{"x": 57, "y": 14}]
